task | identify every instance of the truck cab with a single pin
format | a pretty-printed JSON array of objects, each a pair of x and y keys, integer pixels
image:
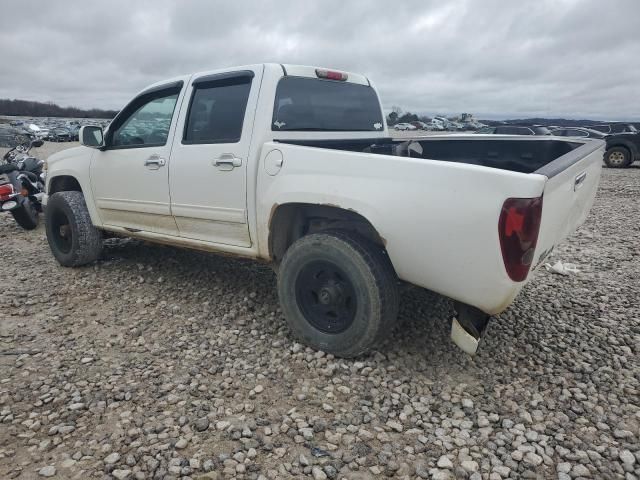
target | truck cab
[{"x": 212, "y": 125}]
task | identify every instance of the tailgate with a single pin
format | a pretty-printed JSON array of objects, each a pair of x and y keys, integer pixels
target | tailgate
[{"x": 568, "y": 194}]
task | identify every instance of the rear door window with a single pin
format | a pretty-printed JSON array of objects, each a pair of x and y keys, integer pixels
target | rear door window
[
  {"x": 310, "y": 104},
  {"x": 216, "y": 112}
]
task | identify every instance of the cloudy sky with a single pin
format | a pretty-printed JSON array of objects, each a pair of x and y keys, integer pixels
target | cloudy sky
[{"x": 495, "y": 58}]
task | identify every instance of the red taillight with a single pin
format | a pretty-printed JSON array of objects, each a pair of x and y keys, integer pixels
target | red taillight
[
  {"x": 518, "y": 230},
  {"x": 6, "y": 191},
  {"x": 331, "y": 75}
]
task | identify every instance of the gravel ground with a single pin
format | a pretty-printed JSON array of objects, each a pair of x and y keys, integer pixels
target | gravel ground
[{"x": 162, "y": 363}]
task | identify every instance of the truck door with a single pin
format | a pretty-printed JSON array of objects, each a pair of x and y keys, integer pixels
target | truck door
[
  {"x": 208, "y": 171},
  {"x": 130, "y": 176}
]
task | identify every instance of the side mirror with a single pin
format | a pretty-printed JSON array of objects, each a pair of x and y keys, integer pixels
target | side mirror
[
  {"x": 91, "y": 136},
  {"x": 37, "y": 143}
]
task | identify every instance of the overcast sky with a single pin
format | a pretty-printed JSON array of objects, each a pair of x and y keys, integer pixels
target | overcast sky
[{"x": 494, "y": 58}]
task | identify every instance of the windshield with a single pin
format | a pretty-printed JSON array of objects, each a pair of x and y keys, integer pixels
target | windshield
[{"x": 309, "y": 104}]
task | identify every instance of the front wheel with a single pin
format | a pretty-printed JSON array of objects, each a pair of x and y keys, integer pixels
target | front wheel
[
  {"x": 26, "y": 215},
  {"x": 338, "y": 292},
  {"x": 73, "y": 239},
  {"x": 617, "y": 157}
]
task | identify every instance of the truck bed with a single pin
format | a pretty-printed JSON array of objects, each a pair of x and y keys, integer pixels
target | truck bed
[
  {"x": 439, "y": 199},
  {"x": 512, "y": 153}
]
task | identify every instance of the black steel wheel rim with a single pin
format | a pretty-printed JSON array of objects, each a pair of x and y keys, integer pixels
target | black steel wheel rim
[
  {"x": 326, "y": 296},
  {"x": 61, "y": 232}
]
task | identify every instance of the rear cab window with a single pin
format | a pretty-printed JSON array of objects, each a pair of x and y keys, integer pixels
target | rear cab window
[{"x": 313, "y": 104}]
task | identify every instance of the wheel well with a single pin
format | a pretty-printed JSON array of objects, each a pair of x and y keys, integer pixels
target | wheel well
[
  {"x": 64, "y": 183},
  {"x": 620, "y": 145},
  {"x": 292, "y": 221}
]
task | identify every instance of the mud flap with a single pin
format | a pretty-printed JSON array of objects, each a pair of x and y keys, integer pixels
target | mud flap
[{"x": 467, "y": 327}]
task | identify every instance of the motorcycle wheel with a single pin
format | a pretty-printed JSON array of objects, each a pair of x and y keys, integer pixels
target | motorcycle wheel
[{"x": 26, "y": 216}]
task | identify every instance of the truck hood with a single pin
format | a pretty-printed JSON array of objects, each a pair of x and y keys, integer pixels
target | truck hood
[{"x": 69, "y": 153}]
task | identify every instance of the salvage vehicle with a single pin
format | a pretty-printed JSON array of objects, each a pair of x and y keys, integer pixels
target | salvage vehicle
[
  {"x": 404, "y": 126},
  {"x": 294, "y": 165},
  {"x": 515, "y": 130},
  {"x": 59, "y": 134},
  {"x": 622, "y": 148},
  {"x": 614, "y": 128}
]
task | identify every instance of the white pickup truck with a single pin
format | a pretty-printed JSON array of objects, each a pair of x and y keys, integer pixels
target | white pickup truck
[{"x": 294, "y": 165}]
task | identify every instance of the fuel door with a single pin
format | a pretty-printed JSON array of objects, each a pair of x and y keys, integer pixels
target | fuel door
[{"x": 273, "y": 162}]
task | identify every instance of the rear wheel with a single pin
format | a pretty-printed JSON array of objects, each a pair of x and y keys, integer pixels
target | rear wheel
[
  {"x": 338, "y": 292},
  {"x": 26, "y": 216},
  {"x": 73, "y": 239},
  {"x": 617, "y": 157}
]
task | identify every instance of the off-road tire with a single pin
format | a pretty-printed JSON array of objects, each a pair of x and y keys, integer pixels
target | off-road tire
[
  {"x": 617, "y": 153},
  {"x": 84, "y": 241},
  {"x": 26, "y": 216},
  {"x": 375, "y": 288}
]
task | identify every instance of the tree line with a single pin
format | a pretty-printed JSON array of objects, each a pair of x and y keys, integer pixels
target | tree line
[{"x": 28, "y": 108}]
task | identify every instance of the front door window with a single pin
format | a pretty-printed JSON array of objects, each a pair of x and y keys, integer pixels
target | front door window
[{"x": 148, "y": 122}]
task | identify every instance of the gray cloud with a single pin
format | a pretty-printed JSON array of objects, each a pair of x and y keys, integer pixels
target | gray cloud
[{"x": 574, "y": 58}]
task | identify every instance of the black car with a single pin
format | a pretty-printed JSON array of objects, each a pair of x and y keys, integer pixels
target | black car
[
  {"x": 59, "y": 135},
  {"x": 515, "y": 130},
  {"x": 622, "y": 148}
]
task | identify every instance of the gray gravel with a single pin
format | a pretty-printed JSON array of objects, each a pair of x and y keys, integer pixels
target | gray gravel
[{"x": 162, "y": 363}]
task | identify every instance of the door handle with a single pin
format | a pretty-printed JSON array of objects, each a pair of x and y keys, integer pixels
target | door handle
[
  {"x": 154, "y": 162},
  {"x": 227, "y": 161}
]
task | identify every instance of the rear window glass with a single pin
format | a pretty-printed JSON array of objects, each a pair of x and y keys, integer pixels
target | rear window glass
[
  {"x": 309, "y": 104},
  {"x": 216, "y": 113}
]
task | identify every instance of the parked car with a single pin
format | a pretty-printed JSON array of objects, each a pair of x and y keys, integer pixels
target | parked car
[
  {"x": 12, "y": 136},
  {"x": 420, "y": 125},
  {"x": 622, "y": 148},
  {"x": 74, "y": 131},
  {"x": 59, "y": 134},
  {"x": 404, "y": 126},
  {"x": 293, "y": 165},
  {"x": 515, "y": 130},
  {"x": 614, "y": 128}
]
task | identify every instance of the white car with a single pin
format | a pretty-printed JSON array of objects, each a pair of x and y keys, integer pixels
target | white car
[
  {"x": 404, "y": 126},
  {"x": 294, "y": 166}
]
